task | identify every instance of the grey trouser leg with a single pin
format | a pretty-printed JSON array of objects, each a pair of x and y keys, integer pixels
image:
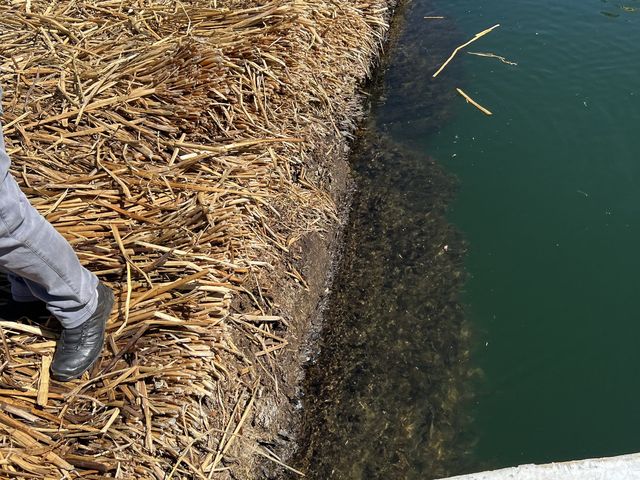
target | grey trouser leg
[{"x": 41, "y": 263}]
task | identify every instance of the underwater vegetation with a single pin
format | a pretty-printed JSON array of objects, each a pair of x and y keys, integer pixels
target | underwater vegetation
[{"x": 385, "y": 396}]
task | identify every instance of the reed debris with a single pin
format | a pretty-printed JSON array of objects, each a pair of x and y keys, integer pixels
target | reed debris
[
  {"x": 493, "y": 55},
  {"x": 473, "y": 102},
  {"x": 477, "y": 36}
]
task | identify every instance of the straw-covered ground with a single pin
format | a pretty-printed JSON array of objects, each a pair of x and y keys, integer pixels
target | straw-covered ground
[{"x": 192, "y": 153}]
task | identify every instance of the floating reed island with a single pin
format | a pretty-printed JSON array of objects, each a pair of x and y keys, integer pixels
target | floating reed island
[{"x": 185, "y": 150}]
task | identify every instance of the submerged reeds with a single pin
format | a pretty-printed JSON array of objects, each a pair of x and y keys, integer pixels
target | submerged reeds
[{"x": 171, "y": 144}]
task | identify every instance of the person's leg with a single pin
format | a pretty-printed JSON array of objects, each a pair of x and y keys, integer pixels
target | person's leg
[{"x": 32, "y": 249}]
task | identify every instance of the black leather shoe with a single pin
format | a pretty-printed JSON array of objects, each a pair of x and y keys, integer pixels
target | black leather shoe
[{"x": 78, "y": 348}]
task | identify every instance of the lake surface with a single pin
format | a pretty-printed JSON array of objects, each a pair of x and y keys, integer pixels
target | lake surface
[
  {"x": 538, "y": 341},
  {"x": 549, "y": 202}
]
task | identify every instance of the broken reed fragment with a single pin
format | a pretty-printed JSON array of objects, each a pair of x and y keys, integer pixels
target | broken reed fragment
[
  {"x": 473, "y": 102},
  {"x": 476, "y": 37},
  {"x": 43, "y": 386},
  {"x": 493, "y": 55}
]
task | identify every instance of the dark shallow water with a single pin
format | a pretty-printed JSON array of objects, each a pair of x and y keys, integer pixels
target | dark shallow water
[
  {"x": 532, "y": 354},
  {"x": 383, "y": 399}
]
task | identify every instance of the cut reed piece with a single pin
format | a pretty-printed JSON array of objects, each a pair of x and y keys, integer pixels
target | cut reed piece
[
  {"x": 474, "y": 103},
  {"x": 493, "y": 55},
  {"x": 43, "y": 387},
  {"x": 476, "y": 37}
]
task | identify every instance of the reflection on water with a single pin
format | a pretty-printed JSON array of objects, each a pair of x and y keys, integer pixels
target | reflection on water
[{"x": 384, "y": 397}]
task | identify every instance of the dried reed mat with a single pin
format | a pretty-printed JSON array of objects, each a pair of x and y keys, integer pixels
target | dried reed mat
[{"x": 169, "y": 142}]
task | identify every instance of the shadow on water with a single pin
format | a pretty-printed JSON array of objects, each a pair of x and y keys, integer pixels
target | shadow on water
[{"x": 384, "y": 396}]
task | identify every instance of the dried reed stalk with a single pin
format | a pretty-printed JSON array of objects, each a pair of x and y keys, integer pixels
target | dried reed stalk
[
  {"x": 493, "y": 55},
  {"x": 455, "y": 52},
  {"x": 473, "y": 102}
]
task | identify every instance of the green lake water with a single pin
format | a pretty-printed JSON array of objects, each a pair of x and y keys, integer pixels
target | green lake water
[
  {"x": 517, "y": 236},
  {"x": 549, "y": 202}
]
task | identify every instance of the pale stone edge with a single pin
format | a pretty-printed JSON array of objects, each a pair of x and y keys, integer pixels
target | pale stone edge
[{"x": 622, "y": 467}]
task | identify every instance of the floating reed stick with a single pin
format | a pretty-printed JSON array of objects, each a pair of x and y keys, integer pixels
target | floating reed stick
[
  {"x": 493, "y": 55},
  {"x": 476, "y": 37},
  {"x": 474, "y": 103}
]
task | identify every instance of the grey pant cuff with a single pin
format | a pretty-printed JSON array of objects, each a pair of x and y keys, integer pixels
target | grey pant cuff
[{"x": 84, "y": 314}]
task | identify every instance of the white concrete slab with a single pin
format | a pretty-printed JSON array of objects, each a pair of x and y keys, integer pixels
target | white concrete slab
[{"x": 623, "y": 467}]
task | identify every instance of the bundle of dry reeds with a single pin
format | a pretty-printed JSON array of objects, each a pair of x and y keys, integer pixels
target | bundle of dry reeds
[{"x": 169, "y": 142}]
